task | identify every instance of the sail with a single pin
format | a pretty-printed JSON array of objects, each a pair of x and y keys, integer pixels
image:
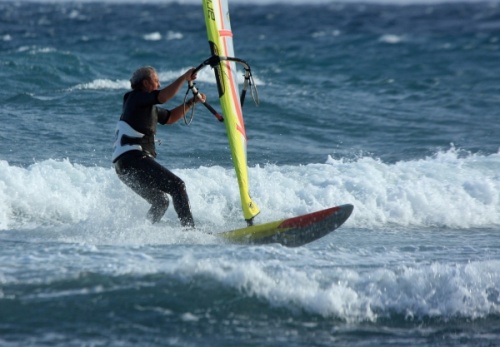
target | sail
[{"x": 220, "y": 38}]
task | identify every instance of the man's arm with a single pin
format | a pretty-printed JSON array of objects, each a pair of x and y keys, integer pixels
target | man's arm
[
  {"x": 178, "y": 112},
  {"x": 172, "y": 89}
]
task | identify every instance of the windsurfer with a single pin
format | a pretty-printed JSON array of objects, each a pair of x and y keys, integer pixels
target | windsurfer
[{"x": 134, "y": 150}]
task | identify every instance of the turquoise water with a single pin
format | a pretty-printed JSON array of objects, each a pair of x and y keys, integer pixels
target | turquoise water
[{"x": 390, "y": 107}]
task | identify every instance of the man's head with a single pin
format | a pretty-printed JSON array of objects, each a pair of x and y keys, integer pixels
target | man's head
[{"x": 145, "y": 78}]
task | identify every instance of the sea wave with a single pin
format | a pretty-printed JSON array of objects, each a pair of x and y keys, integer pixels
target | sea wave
[
  {"x": 445, "y": 190},
  {"x": 205, "y": 76},
  {"x": 411, "y": 290}
]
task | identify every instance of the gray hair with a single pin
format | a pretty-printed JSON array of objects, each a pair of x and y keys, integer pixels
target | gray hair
[{"x": 141, "y": 74}]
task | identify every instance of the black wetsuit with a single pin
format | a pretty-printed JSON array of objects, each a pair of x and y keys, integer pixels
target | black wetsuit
[{"x": 139, "y": 170}]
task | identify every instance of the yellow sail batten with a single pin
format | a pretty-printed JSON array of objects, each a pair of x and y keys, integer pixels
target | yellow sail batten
[{"x": 221, "y": 44}]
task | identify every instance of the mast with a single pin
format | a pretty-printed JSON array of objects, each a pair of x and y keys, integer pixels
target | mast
[{"x": 220, "y": 39}]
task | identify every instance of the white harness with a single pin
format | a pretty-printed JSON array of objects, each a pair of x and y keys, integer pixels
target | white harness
[{"x": 121, "y": 145}]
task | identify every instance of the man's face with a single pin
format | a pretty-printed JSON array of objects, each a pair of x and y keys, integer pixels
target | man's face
[{"x": 152, "y": 84}]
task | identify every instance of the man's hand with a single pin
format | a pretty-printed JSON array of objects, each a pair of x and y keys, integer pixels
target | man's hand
[{"x": 190, "y": 75}]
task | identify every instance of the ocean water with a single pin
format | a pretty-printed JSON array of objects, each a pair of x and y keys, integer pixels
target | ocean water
[{"x": 393, "y": 107}]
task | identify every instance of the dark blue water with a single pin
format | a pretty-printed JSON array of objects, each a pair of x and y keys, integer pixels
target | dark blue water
[{"x": 393, "y": 108}]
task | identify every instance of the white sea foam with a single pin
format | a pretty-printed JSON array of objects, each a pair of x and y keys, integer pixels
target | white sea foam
[
  {"x": 412, "y": 290},
  {"x": 156, "y": 36},
  {"x": 392, "y": 39},
  {"x": 174, "y": 35},
  {"x": 205, "y": 75},
  {"x": 445, "y": 190},
  {"x": 380, "y": 285},
  {"x": 100, "y": 84},
  {"x": 36, "y": 49}
]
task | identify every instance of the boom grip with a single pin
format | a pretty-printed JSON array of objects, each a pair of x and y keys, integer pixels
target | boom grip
[
  {"x": 214, "y": 112},
  {"x": 204, "y": 102}
]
